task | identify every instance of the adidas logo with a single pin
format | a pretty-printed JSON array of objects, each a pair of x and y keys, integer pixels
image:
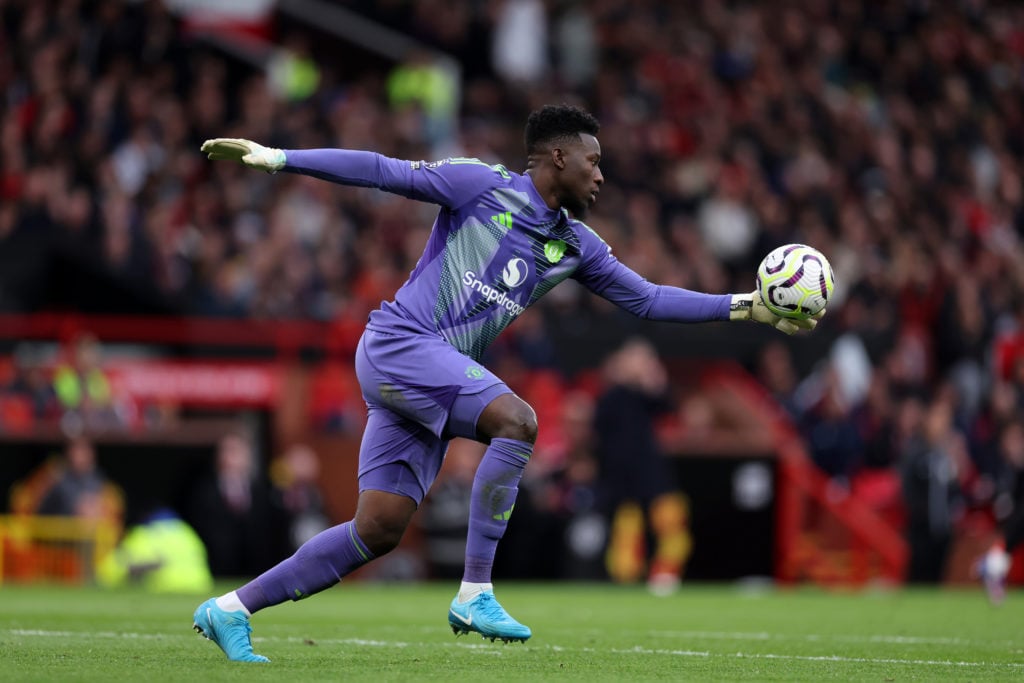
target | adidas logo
[{"x": 503, "y": 219}]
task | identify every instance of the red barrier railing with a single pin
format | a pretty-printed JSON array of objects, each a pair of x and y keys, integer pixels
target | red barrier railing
[{"x": 823, "y": 532}]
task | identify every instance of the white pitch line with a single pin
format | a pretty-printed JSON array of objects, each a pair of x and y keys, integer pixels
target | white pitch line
[
  {"x": 490, "y": 649},
  {"x": 872, "y": 660},
  {"x": 815, "y": 638},
  {"x": 811, "y": 658},
  {"x": 360, "y": 642}
]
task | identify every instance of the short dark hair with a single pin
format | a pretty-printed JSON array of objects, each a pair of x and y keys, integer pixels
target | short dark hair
[{"x": 558, "y": 122}]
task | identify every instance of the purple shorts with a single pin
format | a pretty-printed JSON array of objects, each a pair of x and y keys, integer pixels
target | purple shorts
[{"x": 421, "y": 392}]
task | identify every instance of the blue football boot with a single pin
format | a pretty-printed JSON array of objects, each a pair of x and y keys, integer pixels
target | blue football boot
[
  {"x": 230, "y": 630},
  {"x": 485, "y": 616}
]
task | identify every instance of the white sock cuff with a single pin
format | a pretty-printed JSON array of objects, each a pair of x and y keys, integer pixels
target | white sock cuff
[
  {"x": 468, "y": 591},
  {"x": 229, "y": 602}
]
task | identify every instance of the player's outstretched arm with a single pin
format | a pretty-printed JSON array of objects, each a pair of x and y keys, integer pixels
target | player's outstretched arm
[
  {"x": 449, "y": 182},
  {"x": 751, "y": 307},
  {"x": 252, "y": 154}
]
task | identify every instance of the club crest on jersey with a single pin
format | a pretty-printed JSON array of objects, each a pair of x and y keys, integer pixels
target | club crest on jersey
[
  {"x": 554, "y": 250},
  {"x": 515, "y": 272}
]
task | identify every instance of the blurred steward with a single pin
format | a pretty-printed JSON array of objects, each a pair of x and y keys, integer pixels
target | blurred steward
[
  {"x": 83, "y": 388},
  {"x": 163, "y": 554}
]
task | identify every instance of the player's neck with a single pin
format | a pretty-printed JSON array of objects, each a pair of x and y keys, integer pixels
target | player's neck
[{"x": 544, "y": 187}]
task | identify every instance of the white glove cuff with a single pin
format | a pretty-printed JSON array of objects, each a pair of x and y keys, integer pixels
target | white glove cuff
[{"x": 741, "y": 307}]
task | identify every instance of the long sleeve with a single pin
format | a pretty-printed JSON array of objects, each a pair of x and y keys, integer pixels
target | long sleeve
[
  {"x": 661, "y": 302},
  {"x": 606, "y": 276},
  {"x": 449, "y": 182}
]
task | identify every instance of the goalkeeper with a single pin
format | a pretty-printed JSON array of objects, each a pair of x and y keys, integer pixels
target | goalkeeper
[{"x": 501, "y": 240}]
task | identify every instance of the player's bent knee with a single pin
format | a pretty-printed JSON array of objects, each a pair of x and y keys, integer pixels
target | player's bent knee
[
  {"x": 381, "y": 535},
  {"x": 508, "y": 417},
  {"x": 381, "y": 519},
  {"x": 524, "y": 429}
]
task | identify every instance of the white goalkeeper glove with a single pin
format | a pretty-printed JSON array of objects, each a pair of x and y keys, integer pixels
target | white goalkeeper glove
[
  {"x": 751, "y": 307},
  {"x": 253, "y": 155}
]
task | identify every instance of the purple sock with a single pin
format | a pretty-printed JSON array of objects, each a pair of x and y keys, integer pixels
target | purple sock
[
  {"x": 494, "y": 495},
  {"x": 319, "y": 563}
]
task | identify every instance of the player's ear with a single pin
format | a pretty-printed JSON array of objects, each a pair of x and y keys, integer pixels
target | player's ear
[{"x": 558, "y": 157}]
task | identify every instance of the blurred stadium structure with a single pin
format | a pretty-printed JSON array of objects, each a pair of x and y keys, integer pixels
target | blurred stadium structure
[
  {"x": 59, "y": 549},
  {"x": 884, "y": 134}
]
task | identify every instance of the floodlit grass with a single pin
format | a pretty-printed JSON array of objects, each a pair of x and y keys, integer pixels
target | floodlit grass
[{"x": 367, "y": 632}]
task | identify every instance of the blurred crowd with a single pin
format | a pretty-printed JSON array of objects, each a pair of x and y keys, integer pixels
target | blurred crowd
[
  {"x": 72, "y": 388},
  {"x": 886, "y": 134}
]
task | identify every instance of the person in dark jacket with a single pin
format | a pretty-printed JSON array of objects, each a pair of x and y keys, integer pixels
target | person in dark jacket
[{"x": 636, "y": 484}]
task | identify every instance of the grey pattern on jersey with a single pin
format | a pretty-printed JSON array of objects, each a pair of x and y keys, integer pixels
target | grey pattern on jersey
[
  {"x": 468, "y": 248},
  {"x": 479, "y": 325}
]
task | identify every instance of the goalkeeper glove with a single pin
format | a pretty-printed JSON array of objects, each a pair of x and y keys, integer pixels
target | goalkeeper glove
[
  {"x": 251, "y": 154},
  {"x": 751, "y": 307}
]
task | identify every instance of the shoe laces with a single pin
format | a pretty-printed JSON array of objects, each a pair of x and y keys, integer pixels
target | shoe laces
[{"x": 489, "y": 608}]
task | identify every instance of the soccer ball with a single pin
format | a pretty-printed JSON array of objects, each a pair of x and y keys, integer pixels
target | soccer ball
[{"x": 795, "y": 281}]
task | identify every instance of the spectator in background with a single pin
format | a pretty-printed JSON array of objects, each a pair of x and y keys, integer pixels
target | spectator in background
[
  {"x": 81, "y": 489},
  {"x": 831, "y": 432},
  {"x": 930, "y": 465},
  {"x": 520, "y": 49},
  {"x": 561, "y": 486},
  {"x": 876, "y": 428},
  {"x": 30, "y": 391},
  {"x": 636, "y": 483},
  {"x": 444, "y": 517},
  {"x": 776, "y": 372},
  {"x": 230, "y": 510},
  {"x": 586, "y": 530},
  {"x": 90, "y": 506},
  {"x": 296, "y": 493},
  {"x": 876, "y": 480},
  {"x": 1001, "y": 406},
  {"x": 963, "y": 336}
]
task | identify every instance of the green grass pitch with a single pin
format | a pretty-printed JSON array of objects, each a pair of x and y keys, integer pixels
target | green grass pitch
[{"x": 399, "y": 632}]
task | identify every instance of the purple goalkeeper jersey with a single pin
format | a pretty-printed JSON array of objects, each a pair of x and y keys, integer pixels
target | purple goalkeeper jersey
[{"x": 495, "y": 249}]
